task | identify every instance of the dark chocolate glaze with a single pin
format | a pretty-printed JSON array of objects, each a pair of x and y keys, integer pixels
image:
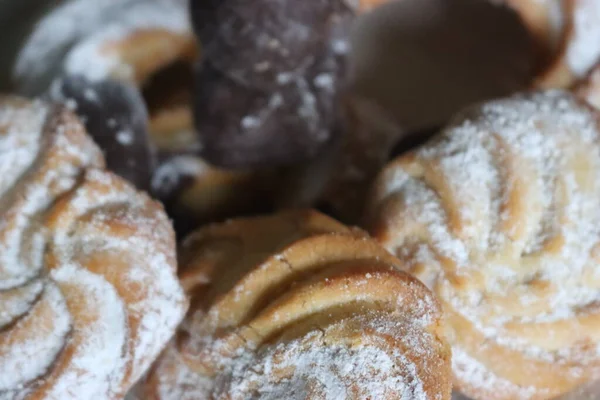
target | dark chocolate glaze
[
  {"x": 115, "y": 115},
  {"x": 271, "y": 71}
]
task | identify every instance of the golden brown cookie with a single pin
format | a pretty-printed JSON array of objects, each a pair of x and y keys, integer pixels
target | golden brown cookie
[
  {"x": 125, "y": 68},
  {"x": 298, "y": 306},
  {"x": 88, "y": 288},
  {"x": 567, "y": 32},
  {"x": 499, "y": 215}
]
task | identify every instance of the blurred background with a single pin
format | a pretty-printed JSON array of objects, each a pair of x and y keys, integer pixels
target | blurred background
[{"x": 16, "y": 19}]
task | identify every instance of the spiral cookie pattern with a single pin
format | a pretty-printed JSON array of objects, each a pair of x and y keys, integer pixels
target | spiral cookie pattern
[
  {"x": 567, "y": 32},
  {"x": 125, "y": 40},
  {"x": 122, "y": 66},
  {"x": 298, "y": 306},
  {"x": 88, "y": 292},
  {"x": 499, "y": 215}
]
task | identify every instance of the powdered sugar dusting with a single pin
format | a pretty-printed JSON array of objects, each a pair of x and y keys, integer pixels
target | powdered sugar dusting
[
  {"x": 336, "y": 324},
  {"x": 32, "y": 191},
  {"x": 583, "y": 51},
  {"x": 125, "y": 137},
  {"x": 304, "y": 369},
  {"x": 79, "y": 20},
  {"x": 177, "y": 381},
  {"x": 421, "y": 203},
  {"x": 98, "y": 339},
  {"x": 313, "y": 366},
  {"x": 16, "y": 302},
  {"x": 20, "y": 131},
  {"x": 500, "y": 213},
  {"x": 20, "y": 141},
  {"x": 92, "y": 57},
  {"x": 168, "y": 175},
  {"x": 476, "y": 374},
  {"x": 27, "y": 193},
  {"x": 26, "y": 352},
  {"x": 82, "y": 254},
  {"x": 155, "y": 299}
]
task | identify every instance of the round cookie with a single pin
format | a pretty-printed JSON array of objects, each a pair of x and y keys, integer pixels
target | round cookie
[
  {"x": 296, "y": 305},
  {"x": 499, "y": 215},
  {"x": 88, "y": 288},
  {"x": 105, "y": 68}
]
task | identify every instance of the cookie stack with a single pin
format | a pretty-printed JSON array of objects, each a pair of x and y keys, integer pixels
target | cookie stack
[{"x": 461, "y": 137}]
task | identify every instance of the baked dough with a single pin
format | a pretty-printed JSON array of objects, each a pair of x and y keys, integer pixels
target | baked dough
[
  {"x": 88, "y": 290},
  {"x": 297, "y": 306},
  {"x": 500, "y": 216}
]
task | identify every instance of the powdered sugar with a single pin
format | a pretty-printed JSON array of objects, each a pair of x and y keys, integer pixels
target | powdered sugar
[
  {"x": 506, "y": 202},
  {"x": 20, "y": 141},
  {"x": 26, "y": 352},
  {"x": 20, "y": 131},
  {"x": 53, "y": 36},
  {"x": 29, "y": 194},
  {"x": 21, "y": 255},
  {"x": 155, "y": 299},
  {"x": 583, "y": 51},
  {"x": 474, "y": 373},
  {"x": 167, "y": 175},
  {"x": 176, "y": 380},
  {"x": 98, "y": 339},
  {"x": 125, "y": 137},
  {"x": 106, "y": 255},
  {"x": 421, "y": 203},
  {"x": 93, "y": 58},
  {"x": 304, "y": 369},
  {"x": 80, "y": 20},
  {"x": 313, "y": 366},
  {"x": 275, "y": 326},
  {"x": 16, "y": 302}
]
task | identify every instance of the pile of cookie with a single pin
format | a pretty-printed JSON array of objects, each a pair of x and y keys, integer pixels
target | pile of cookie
[{"x": 178, "y": 182}]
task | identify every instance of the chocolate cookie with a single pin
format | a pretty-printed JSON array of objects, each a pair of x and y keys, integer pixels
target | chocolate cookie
[{"x": 266, "y": 89}]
